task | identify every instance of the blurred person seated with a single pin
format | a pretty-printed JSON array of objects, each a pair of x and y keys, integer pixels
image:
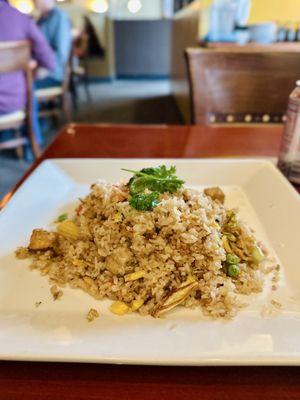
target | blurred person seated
[
  {"x": 56, "y": 27},
  {"x": 15, "y": 26}
]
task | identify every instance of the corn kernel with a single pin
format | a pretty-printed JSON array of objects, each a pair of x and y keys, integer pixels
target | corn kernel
[
  {"x": 68, "y": 229},
  {"x": 134, "y": 276},
  {"x": 226, "y": 244},
  {"x": 117, "y": 217},
  {"x": 119, "y": 308},
  {"x": 79, "y": 263},
  {"x": 136, "y": 304}
]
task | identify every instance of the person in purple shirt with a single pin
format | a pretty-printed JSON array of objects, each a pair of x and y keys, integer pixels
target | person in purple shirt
[{"x": 15, "y": 26}]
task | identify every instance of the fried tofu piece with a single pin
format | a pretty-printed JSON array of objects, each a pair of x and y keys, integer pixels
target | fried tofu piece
[
  {"x": 215, "y": 193},
  {"x": 41, "y": 240},
  {"x": 118, "y": 259}
]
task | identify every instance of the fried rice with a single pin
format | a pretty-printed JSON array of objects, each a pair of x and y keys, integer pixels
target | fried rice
[{"x": 152, "y": 261}]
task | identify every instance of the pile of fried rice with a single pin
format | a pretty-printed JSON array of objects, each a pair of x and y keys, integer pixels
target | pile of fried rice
[{"x": 150, "y": 262}]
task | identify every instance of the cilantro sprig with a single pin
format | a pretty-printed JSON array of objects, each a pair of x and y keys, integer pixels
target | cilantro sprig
[
  {"x": 147, "y": 184},
  {"x": 144, "y": 202}
]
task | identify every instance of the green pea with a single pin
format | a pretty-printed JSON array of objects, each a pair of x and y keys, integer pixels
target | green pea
[
  {"x": 233, "y": 270},
  {"x": 232, "y": 259}
]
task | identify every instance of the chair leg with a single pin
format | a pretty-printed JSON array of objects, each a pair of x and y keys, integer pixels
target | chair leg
[
  {"x": 86, "y": 81},
  {"x": 57, "y": 120},
  {"x": 74, "y": 94},
  {"x": 66, "y": 106},
  {"x": 87, "y": 89},
  {"x": 19, "y": 149},
  {"x": 35, "y": 147},
  {"x": 36, "y": 150}
]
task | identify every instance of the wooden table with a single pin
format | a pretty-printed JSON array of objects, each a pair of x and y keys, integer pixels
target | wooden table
[
  {"x": 160, "y": 141},
  {"x": 45, "y": 381}
]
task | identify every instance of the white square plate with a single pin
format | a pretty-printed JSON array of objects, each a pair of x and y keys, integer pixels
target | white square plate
[{"x": 58, "y": 331}]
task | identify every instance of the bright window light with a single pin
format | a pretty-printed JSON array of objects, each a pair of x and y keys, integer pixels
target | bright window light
[
  {"x": 25, "y": 6},
  {"x": 134, "y": 6},
  {"x": 99, "y": 6}
]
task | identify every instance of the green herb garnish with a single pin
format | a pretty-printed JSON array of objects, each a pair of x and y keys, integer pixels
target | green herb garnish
[
  {"x": 158, "y": 179},
  {"x": 62, "y": 217},
  {"x": 146, "y": 185},
  {"x": 144, "y": 202}
]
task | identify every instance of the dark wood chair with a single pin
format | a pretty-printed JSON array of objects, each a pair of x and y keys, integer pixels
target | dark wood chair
[
  {"x": 79, "y": 67},
  {"x": 15, "y": 56},
  {"x": 240, "y": 86}
]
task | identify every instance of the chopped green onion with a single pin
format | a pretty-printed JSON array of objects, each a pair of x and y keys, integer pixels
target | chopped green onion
[
  {"x": 230, "y": 236},
  {"x": 232, "y": 259},
  {"x": 257, "y": 255},
  {"x": 233, "y": 270},
  {"x": 62, "y": 217},
  {"x": 231, "y": 215}
]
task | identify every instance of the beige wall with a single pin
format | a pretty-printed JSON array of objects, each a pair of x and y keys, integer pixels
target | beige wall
[
  {"x": 103, "y": 68},
  {"x": 103, "y": 25}
]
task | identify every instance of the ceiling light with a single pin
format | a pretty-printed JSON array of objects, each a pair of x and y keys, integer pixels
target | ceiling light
[
  {"x": 134, "y": 6},
  {"x": 99, "y": 6}
]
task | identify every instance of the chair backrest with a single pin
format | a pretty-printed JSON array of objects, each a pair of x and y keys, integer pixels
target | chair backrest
[
  {"x": 240, "y": 86},
  {"x": 14, "y": 56}
]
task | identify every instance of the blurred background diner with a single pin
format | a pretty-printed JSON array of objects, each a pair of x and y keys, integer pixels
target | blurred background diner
[{"x": 140, "y": 62}]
